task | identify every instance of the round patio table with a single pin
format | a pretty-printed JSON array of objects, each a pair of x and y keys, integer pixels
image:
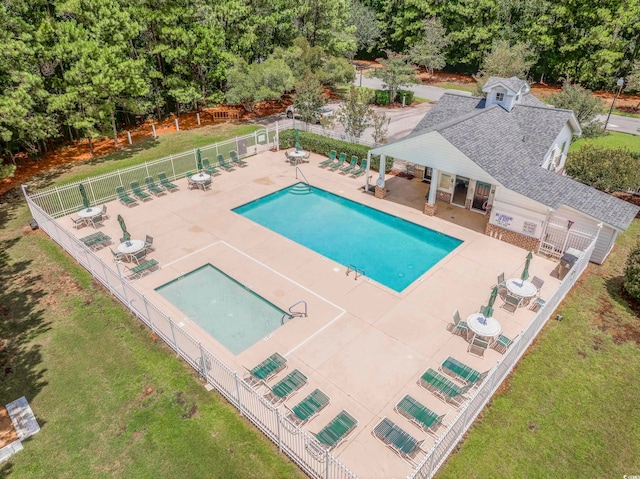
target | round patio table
[
  {"x": 201, "y": 177},
  {"x": 130, "y": 247},
  {"x": 522, "y": 289},
  {"x": 297, "y": 156},
  {"x": 482, "y": 326},
  {"x": 89, "y": 212}
]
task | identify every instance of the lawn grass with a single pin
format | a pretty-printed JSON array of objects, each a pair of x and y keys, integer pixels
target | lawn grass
[
  {"x": 625, "y": 113},
  {"x": 613, "y": 140},
  {"x": 150, "y": 149},
  {"x": 471, "y": 88},
  {"x": 111, "y": 400},
  {"x": 571, "y": 408}
]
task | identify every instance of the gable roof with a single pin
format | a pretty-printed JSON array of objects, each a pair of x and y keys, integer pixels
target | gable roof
[
  {"x": 511, "y": 154},
  {"x": 514, "y": 84}
]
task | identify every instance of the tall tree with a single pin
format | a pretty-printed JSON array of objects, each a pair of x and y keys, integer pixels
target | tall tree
[
  {"x": 309, "y": 98},
  {"x": 605, "y": 169},
  {"x": 325, "y": 23},
  {"x": 366, "y": 26},
  {"x": 355, "y": 113},
  {"x": 395, "y": 72},
  {"x": 584, "y": 104},
  {"x": 429, "y": 50}
]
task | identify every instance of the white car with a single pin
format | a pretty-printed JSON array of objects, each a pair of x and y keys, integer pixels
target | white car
[{"x": 325, "y": 112}]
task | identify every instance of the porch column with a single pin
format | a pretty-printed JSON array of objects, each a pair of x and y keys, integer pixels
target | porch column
[
  {"x": 430, "y": 205},
  {"x": 380, "y": 192},
  {"x": 366, "y": 173}
]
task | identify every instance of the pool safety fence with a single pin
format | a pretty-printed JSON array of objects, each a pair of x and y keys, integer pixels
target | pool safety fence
[
  {"x": 63, "y": 200},
  {"x": 289, "y": 438},
  {"x": 467, "y": 414},
  {"x": 45, "y": 206}
]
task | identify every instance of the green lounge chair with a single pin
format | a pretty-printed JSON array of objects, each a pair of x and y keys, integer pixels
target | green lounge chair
[
  {"x": 267, "y": 368},
  {"x": 96, "y": 240},
  {"x": 328, "y": 161},
  {"x": 237, "y": 161},
  {"x": 124, "y": 198},
  {"x": 143, "y": 268},
  {"x": 286, "y": 387},
  {"x": 211, "y": 170},
  {"x": 400, "y": 441},
  {"x": 166, "y": 184},
  {"x": 442, "y": 387},
  {"x": 461, "y": 371},
  {"x": 308, "y": 408},
  {"x": 137, "y": 191},
  {"x": 360, "y": 170},
  {"x": 332, "y": 435},
  {"x": 153, "y": 188},
  {"x": 351, "y": 166},
  {"x": 339, "y": 163},
  {"x": 224, "y": 164},
  {"x": 419, "y": 414}
]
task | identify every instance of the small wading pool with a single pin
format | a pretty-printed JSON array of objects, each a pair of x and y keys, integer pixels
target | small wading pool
[
  {"x": 390, "y": 250},
  {"x": 232, "y": 314}
]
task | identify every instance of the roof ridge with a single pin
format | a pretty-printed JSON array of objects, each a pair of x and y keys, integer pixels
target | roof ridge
[
  {"x": 463, "y": 118},
  {"x": 544, "y": 108}
]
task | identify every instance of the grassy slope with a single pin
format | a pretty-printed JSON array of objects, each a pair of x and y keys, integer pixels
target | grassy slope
[
  {"x": 111, "y": 402},
  {"x": 164, "y": 146},
  {"x": 571, "y": 408},
  {"x": 613, "y": 140}
]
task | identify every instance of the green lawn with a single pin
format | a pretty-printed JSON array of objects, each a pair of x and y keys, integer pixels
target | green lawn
[
  {"x": 625, "y": 113},
  {"x": 471, "y": 88},
  {"x": 150, "y": 149},
  {"x": 571, "y": 408},
  {"x": 112, "y": 401},
  {"x": 613, "y": 140}
]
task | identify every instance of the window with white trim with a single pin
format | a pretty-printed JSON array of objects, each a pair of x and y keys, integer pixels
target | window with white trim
[{"x": 499, "y": 96}]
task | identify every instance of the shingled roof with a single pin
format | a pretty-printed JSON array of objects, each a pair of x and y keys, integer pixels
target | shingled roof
[
  {"x": 514, "y": 83},
  {"x": 512, "y": 150}
]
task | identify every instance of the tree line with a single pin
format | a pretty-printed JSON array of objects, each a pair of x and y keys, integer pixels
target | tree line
[{"x": 74, "y": 69}]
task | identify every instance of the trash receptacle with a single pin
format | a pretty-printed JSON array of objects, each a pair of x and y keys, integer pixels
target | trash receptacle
[{"x": 566, "y": 263}]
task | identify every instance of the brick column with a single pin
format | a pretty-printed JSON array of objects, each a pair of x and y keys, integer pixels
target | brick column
[
  {"x": 430, "y": 210},
  {"x": 380, "y": 192}
]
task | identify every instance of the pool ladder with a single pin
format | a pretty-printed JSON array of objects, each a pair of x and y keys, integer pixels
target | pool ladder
[
  {"x": 305, "y": 178},
  {"x": 358, "y": 271},
  {"x": 295, "y": 314}
]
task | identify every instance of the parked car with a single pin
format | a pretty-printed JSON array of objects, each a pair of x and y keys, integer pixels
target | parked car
[{"x": 324, "y": 112}]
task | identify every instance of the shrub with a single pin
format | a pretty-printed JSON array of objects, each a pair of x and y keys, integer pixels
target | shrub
[
  {"x": 383, "y": 97},
  {"x": 408, "y": 96},
  {"x": 594, "y": 129},
  {"x": 632, "y": 274},
  {"x": 323, "y": 145}
]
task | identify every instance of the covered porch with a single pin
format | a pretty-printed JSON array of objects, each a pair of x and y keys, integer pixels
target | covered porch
[{"x": 412, "y": 191}]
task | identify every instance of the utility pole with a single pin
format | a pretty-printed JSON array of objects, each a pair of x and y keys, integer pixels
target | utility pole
[{"x": 620, "y": 84}]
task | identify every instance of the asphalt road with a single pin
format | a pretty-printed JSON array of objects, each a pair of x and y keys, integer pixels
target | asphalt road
[{"x": 623, "y": 124}]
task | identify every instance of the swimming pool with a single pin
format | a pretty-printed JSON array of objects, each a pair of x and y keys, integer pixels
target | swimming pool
[
  {"x": 234, "y": 315},
  {"x": 391, "y": 251}
]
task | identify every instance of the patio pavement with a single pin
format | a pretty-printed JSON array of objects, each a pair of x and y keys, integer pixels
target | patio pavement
[{"x": 363, "y": 344}]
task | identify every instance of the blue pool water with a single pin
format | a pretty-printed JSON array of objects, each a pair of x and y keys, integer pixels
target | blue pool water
[
  {"x": 234, "y": 315},
  {"x": 391, "y": 251}
]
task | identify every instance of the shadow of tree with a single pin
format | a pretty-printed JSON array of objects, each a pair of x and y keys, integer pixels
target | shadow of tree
[
  {"x": 22, "y": 321},
  {"x": 615, "y": 288}
]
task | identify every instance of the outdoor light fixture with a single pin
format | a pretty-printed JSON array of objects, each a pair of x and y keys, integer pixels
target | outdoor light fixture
[{"x": 620, "y": 84}]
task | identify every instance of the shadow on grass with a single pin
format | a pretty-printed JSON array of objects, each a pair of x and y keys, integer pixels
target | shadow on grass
[{"x": 22, "y": 321}]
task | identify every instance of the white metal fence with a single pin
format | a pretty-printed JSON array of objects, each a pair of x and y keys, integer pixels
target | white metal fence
[
  {"x": 289, "y": 438},
  {"x": 557, "y": 238},
  {"x": 443, "y": 446},
  {"x": 63, "y": 200},
  {"x": 58, "y": 201}
]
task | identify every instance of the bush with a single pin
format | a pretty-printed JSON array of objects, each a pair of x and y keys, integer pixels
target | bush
[
  {"x": 383, "y": 97},
  {"x": 323, "y": 145},
  {"x": 594, "y": 129},
  {"x": 408, "y": 96},
  {"x": 632, "y": 274}
]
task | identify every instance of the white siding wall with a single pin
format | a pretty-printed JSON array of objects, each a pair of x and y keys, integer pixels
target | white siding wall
[
  {"x": 506, "y": 196},
  {"x": 518, "y": 213},
  {"x": 565, "y": 135},
  {"x": 606, "y": 240}
]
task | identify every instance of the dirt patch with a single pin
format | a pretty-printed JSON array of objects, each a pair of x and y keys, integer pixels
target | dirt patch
[
  {"x": 8, "y": 433},
  {"x": 608, "y": 321}
]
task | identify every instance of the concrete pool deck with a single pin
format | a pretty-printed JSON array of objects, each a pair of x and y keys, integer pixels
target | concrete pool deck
[{"x": 362, "y": 344}]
